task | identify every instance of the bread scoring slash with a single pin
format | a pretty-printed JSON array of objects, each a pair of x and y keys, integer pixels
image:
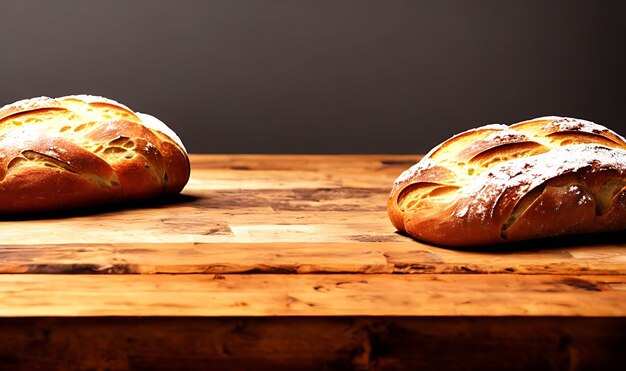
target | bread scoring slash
[
  {"x": 546, "y": 177},
  {"x": 81, "y": 150}
]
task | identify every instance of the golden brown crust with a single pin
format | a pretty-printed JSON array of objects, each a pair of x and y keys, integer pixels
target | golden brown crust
[
  {"x": 81, "y": 151},
  {"x": 545, "y": 177}
]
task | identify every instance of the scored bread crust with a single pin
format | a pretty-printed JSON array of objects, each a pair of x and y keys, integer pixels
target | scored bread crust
[
  {"x": 545, "y": 177},
  {"x": 82, "y": 150}
]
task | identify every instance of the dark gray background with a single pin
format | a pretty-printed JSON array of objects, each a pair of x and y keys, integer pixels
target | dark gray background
[{"x": 338, "y": 76}]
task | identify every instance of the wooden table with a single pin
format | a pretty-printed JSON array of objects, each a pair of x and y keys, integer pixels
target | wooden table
[{"x": 291, "y": 262}]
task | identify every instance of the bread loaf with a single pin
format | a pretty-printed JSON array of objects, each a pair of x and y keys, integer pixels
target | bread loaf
[
  {"x": 545, "y": 177},
  {"x": 83, "y": 150}
]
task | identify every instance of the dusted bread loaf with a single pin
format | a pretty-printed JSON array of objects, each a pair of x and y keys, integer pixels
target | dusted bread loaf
[
  {"x": 545, "y": 177},
  {"x": 82, "y": 151}
]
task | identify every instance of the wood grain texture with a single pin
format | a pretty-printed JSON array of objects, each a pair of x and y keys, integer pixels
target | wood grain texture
[
  {"x": 175, "y": 284},
  {"x": 312, "y": 343},
  {"x": 312, "y": 295},
  {"x": 277, "y": 214}
]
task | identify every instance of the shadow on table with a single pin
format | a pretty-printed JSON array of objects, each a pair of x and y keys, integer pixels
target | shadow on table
[
  {"x": 157, "y": 203},
  {"x": 587, "y": 240}
]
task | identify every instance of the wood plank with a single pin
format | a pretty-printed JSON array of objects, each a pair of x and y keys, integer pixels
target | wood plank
[
  {"x": 277, "y": 213},
  {"x": 312, "y": 295},
  {"x": 561, "y": 301},
  {"x": 297, "y": 257},
  {"x": 313, "y": 343}
]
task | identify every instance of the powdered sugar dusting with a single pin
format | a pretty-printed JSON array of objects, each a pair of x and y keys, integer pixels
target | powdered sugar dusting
[
  {"x": 493, "y": 127},
  {"x": 94, "y": 99},
  {"x": 27, "y": 105},
  {"x": 524, "y": 174},
  {"x": 156, "y": 124},
  {"x": 423, "y": 165},
  {"x": 505, "y": 136},
  {"x": 571, "y": 124},
  {"x": 485, "y": 127},
  {"x": 583, "y": 197}
]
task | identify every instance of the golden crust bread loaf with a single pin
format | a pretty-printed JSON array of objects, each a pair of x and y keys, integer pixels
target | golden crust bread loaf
[
  {"x": 83, "y": 150},
  {"x": 545, "y": 177}
]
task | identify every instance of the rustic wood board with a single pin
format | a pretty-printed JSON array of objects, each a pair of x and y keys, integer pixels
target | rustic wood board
[
  {"x": 30, "y": 295},
  {"x": 277, "y": 214},
  {"x": 222, "y": 277},
  {"x": 313, "y": 343}
]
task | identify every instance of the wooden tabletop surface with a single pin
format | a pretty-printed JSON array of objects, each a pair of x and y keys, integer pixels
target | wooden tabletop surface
[{"x": 291, "y": 235}]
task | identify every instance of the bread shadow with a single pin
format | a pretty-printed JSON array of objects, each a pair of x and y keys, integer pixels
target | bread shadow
[
  {"x": 157, "y": 203},
  {"x": 551, "y": 243}
]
